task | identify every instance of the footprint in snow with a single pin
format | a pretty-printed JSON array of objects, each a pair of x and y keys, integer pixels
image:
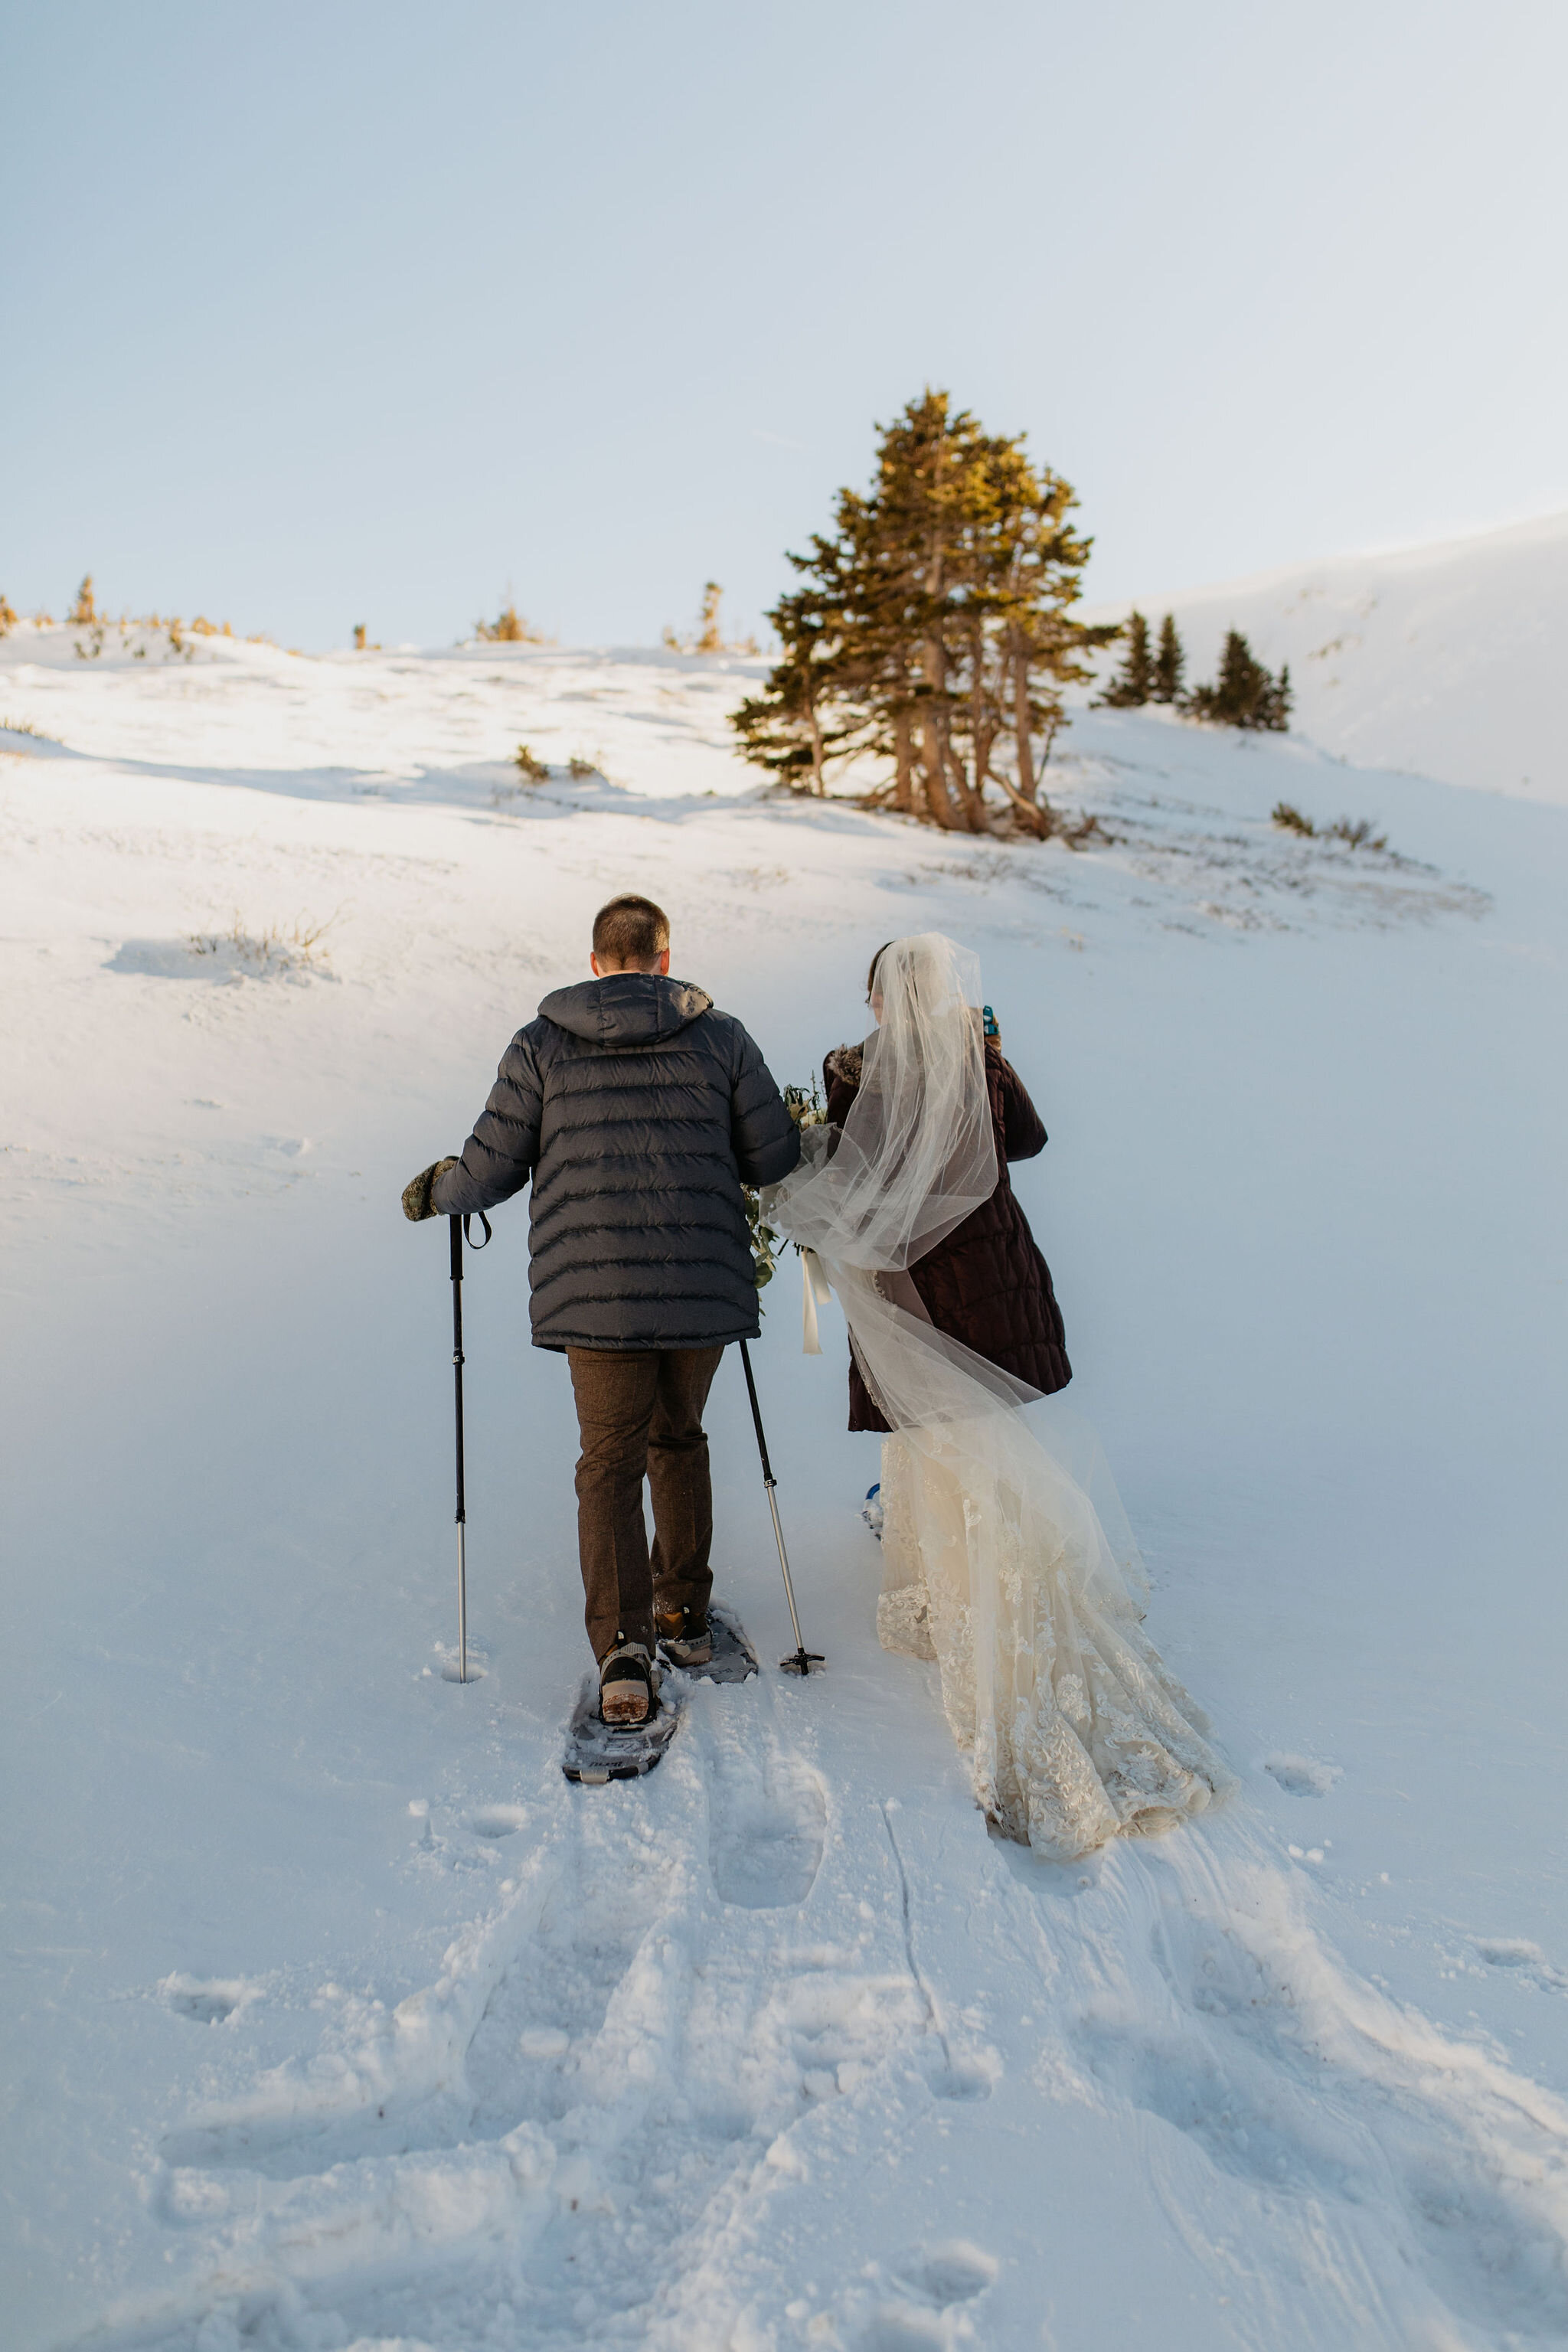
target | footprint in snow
[
  {"x": 1526, "y": 1960},
  {"x": 204, "y": 2001},
  {"x": 954, "y": 2272},
  {"x": 904, "y": 2331},
  {"x": 498, "y": 1820},
  {"x": 767, "y": 1826},
  {"x": 1303, "y": 1775}
]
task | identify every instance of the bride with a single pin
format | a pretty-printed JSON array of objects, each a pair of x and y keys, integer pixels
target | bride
[{"x": 1008, "y": 1556}]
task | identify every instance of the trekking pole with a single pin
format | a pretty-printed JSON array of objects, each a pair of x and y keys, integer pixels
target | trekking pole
[
  {"x": 801, "y": 1660},
  {"x": 459, "y": 1226}
]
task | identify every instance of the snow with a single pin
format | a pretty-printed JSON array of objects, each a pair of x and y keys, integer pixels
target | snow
[
  {"x": 1443, "y": 660},
  {"x": 334, "y": 2017}
]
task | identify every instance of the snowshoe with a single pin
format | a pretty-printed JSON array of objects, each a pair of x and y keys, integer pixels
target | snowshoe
[
  {"x": 729, "y": 1655},
  {"x": 733, "y": 1659},
  {"x": 596, "y": 1751},
  {"x": 627, "y": 1691}
]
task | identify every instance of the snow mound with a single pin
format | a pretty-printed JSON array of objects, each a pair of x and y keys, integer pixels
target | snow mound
[{"x": 1441, "y": 660}]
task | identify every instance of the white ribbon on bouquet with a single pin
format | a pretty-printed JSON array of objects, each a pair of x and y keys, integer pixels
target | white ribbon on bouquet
[{"x": 816, "y": 1291}]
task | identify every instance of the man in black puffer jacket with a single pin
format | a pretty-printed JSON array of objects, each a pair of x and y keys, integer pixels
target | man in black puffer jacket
[{"x": 639, "y": 1112}]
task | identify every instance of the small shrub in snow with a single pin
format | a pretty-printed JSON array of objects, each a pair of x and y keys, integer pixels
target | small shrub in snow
[
  {"x": 709, "y": 637},
  {"x": 531, "y": 770},
  {"x": 1356, "y": 832},
  {"x": 509, "y": 628},
  {"x": 273, "y": 948},
  {"x": 580, "y": 770},
  {"x": 84, "y": 612},
  {"x": 8, "y": 617}
]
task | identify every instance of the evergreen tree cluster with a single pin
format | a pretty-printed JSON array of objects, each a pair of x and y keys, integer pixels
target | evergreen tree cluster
[
  {"x": 933, "y": 628},
  {"x": 1244, "y": 694},
  {"x": 1146, "y": 676}
]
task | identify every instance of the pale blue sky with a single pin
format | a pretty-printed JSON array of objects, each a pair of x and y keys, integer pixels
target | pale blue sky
[{"x": 316, "y": 314}]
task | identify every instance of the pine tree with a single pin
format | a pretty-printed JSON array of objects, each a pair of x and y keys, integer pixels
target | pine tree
[
  {"x": 1275, "y": 708},
  {"x": 1245, "y": 694},
  {"x": 1170, "y": 664},
  {"x": 1134, "y": 682},
  {"x": 84, "y": 612},
  {"x": 932, "y": 629},
  {"x": 793, "y": 727}
]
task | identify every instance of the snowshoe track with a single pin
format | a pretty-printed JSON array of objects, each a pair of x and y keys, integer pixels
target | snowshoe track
[
  {"x": 656, "y": 2062},
  {"x": 608, "y": 2073}
]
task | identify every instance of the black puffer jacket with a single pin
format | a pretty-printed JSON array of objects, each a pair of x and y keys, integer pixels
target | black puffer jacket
[{"x": 639, "y": 1112}]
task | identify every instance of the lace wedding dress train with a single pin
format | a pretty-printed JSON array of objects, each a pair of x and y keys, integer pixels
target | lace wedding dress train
[{"x": 1075, "y": 1730}]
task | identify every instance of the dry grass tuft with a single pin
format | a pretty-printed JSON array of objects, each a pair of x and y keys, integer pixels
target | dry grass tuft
[
  {"x": 1356, "y": 832},
  {"x": 273, "y": 948},
  {"x": 510, "y": 628}
]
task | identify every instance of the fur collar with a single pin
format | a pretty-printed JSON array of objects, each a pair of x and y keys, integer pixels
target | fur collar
[{"x": 845, "y": 1063}]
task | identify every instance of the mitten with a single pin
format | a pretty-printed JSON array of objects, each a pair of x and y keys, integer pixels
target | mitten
[{"x": 417, "y": 1203}]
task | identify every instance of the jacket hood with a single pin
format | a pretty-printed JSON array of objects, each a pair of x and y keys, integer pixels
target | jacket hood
[{"x": 625, "y": 1008}]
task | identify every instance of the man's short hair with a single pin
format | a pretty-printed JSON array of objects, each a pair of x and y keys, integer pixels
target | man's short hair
[{"x": 631, "y": 929}]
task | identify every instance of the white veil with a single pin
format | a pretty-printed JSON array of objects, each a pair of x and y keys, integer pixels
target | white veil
[
  {"x": 1018, "y": 1572},
  {"x": 916, "y": 1154}
]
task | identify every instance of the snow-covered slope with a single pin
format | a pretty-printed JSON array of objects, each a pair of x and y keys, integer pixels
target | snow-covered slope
[
  {"x": 1445, "y": 660},
  {"x": 333, "y": 2016}
]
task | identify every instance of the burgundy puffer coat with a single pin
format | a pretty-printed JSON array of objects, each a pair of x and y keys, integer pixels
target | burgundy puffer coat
[{"x": 986, "y": 1284}]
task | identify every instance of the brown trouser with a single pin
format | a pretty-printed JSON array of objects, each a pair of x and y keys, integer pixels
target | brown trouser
[{"x": 639, "y": 1415}]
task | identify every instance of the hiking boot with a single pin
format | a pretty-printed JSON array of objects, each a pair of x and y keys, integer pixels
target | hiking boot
[
  {"x": 685, "y": 1636},
  {"x": 627, "y": 1688}
]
